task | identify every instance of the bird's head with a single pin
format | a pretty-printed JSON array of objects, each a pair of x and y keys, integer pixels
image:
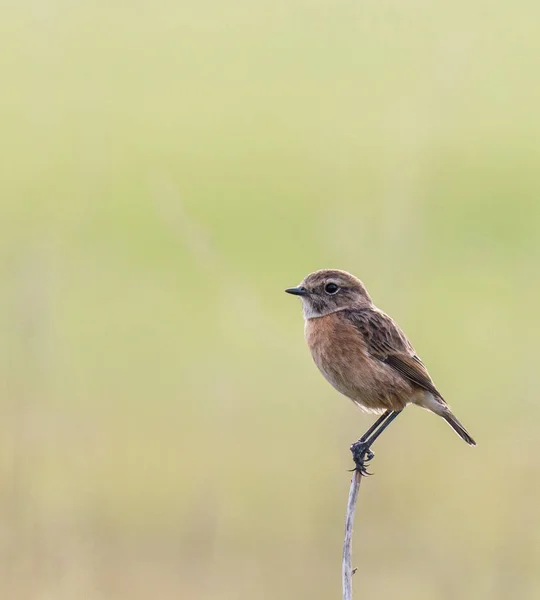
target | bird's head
[{"x": 329, "y": 290}]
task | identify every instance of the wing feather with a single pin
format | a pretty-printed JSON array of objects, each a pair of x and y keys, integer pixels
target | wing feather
[{"x": 386, "y": 342}]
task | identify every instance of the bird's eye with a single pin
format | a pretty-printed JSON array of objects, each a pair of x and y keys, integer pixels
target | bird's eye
[{"x": 331, "y": 288}]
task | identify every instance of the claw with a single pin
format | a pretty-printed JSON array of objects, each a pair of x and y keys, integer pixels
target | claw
[
  {"x": 361, "y": 456},
  {"x": 361, "y": 468}
]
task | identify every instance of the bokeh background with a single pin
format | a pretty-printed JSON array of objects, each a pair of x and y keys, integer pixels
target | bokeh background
[{"x": 168, "y": 168}]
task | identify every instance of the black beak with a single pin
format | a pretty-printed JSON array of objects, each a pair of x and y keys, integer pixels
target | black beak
[{"x": 297, "y": 291}]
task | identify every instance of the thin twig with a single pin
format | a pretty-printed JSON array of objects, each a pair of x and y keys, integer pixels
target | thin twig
[{"x": 346, "y": 565}]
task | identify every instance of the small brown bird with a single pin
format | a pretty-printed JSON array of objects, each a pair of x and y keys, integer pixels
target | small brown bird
[{"x": 363, "y": 353}]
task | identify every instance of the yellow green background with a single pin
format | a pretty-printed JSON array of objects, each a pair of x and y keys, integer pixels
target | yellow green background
[{"x": 167, "y": 169}]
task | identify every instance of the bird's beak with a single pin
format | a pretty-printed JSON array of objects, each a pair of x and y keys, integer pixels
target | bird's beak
[{"x": 297, "y": 291}]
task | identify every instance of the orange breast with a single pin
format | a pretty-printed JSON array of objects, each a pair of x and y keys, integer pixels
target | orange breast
[{"x": 340, "y": 352}]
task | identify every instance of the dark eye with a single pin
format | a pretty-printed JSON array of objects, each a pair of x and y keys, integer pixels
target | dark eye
[{"x": 331, "y": 288}]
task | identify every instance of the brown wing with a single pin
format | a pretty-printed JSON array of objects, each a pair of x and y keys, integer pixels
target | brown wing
[{"x": 386, "y": 342}]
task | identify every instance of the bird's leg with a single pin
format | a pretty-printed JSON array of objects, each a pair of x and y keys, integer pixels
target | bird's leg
[
  {"x": 375, "y": 425},
  {"x": 361, "y": 451}
]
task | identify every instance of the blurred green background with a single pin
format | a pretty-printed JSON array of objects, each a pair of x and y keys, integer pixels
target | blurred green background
[{"x": 168, "y": 168}]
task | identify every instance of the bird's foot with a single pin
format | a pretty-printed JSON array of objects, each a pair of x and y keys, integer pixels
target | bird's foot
[{"x": 361, "y": 455}]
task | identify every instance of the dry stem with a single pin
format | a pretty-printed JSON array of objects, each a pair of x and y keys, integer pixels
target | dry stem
[{"x": 346, "y": 565}]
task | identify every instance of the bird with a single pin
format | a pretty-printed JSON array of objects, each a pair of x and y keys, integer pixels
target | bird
[{"x": 365, "y": 355}]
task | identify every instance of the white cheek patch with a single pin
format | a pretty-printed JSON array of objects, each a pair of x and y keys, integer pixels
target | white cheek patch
[{"x": 309, "y": 311}]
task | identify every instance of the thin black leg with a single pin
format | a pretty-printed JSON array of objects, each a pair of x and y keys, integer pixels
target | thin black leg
[
  {"x": 361, "y": 449},
  {"x": 383, "y": 426},
  {"x": 375, "y": 425}
]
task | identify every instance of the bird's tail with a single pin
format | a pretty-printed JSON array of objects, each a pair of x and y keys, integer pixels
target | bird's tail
[{"x": 458, "y": 427}]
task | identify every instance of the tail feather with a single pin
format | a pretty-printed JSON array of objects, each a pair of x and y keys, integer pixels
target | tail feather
[{"x": 458, "y": 428}]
